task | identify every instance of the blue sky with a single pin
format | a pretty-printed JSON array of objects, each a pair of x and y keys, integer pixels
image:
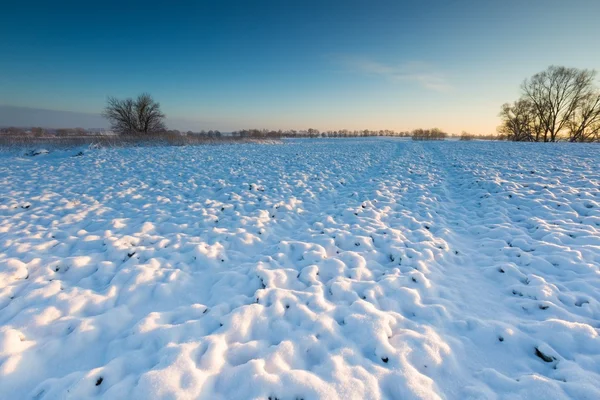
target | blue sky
[{"x": 290, "y": 64}]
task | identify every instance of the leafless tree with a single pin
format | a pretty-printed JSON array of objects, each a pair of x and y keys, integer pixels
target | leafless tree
[
  {"x": 519, "y": 121},
  {"x": 555, "y": 95},
  {"x": 584, "y": 125},
  {"x": 142, "y": 115}
]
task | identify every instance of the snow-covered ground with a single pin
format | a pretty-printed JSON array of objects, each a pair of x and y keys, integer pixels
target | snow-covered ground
[{"x": 314, "y": 269}]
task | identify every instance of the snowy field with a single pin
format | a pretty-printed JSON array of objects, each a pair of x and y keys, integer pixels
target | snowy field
[{"x": 314, "y": 269}]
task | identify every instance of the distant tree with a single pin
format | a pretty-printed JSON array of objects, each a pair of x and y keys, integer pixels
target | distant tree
[
  {"x": 466, "y": 136},
  {"x": 312, "y": 132},
  {"x": 142, "y": 115},
  {"x": 428, "y": 134},
  {"x": 12, "y": 130},
  {"x": 555, "y": 95},
  {"x": 38, "y": 132}
]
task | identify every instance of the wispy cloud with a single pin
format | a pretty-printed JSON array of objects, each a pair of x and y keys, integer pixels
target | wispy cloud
[{"x": 422, "y": 73}]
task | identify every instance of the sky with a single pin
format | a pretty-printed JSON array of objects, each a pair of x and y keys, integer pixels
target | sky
[{"x": 286, "y": 64}]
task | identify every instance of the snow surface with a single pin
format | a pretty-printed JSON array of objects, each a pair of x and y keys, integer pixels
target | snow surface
[{"x": 364, "y": 268}]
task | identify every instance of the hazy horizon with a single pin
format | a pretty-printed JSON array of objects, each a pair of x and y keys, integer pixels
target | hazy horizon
[{"x": 287, "y": 65}]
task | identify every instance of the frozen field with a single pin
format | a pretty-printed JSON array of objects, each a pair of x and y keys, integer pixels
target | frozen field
[{"x": 366, "y": 269}]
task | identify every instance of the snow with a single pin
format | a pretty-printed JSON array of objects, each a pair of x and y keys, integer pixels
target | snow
[{"x": 358, "y": 268}]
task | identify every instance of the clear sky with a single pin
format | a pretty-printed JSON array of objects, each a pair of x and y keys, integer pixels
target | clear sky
[{"x": 290, "y": 64}]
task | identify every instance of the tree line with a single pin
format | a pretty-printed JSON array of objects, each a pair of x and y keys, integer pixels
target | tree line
[
  {"x": 416, "y": 134},
  {"x": 559, "y": 103},
  {"x": 38, "y": 131},
  {"x": 143, "y": 116},
  {"x": 315, "y": 133}
]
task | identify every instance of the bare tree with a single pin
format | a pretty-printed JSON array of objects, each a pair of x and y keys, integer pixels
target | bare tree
[
  {"x": 129, "y": 116},
  {"x": 584, "y": 125},
  {"x": 555, "y": 95},
  {"x": 519, "y": 121}
]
